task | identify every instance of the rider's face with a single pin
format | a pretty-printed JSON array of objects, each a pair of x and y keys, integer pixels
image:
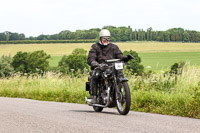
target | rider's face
[{"x": 105, "y": 40}]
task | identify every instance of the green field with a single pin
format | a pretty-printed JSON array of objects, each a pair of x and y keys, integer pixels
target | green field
[
  {"x": 158, "y": 55},
  {"x": 163, "y": 61},
  {"x": 157, "y": 60}
]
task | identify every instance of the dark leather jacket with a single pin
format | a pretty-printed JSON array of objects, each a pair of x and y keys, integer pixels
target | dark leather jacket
[{"x": 100, "y": 53}]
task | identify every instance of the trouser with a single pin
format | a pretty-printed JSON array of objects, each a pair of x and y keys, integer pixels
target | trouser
[{"x": 95, "y": 77}]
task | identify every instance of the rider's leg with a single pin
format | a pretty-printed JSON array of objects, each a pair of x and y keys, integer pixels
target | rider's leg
[{"x": 94, "y": 85}]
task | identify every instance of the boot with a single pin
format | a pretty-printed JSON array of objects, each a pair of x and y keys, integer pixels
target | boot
[
  {"x": 94, "y": 88},
  {"x": 94, "y": 100}
]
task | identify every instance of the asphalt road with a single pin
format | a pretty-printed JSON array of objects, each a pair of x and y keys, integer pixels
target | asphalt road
[{"x": 31, "y": 116}]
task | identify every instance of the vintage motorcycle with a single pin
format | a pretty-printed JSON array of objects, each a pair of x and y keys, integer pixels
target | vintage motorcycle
[{"x": 113, "y": 91}]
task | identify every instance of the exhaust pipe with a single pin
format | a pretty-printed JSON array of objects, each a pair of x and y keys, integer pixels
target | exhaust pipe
[
  {"x": 108, "y": 93},
  {"x": 97, "y": 105},
  {"x": 87, "y": 100}
]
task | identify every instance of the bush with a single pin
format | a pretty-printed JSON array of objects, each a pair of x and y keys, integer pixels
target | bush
[
  {"x": 177, "y": 68},
  {"x": 134, "y": 65},
  {"x": 6, "y": 68},
  {"x": 79, "y": 51},
  {"x": 33, "y": 62},
  {"x": 20, "y": 62},
  {"x": 75, "y": 63}
]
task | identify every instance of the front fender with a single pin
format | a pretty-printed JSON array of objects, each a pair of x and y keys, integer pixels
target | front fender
[{"x": 122, "y": 79}]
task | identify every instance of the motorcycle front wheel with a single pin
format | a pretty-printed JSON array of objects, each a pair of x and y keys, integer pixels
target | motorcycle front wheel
[{"x": 124, "y": 99}]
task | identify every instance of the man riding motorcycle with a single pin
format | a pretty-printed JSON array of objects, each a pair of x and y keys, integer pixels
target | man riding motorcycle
[{"x": 99, "y": 52}]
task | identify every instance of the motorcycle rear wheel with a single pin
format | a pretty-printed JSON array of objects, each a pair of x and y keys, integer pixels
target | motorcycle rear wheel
[{"x": 124, "y": 101}]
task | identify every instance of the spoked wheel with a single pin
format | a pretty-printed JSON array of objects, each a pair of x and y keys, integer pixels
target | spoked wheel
[
  {"x": 97, "y": 109},
  {"x": 124, "y": 100}
]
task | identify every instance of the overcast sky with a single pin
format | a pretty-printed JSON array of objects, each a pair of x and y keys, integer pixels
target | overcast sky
[{"x": 36, "y": 17}]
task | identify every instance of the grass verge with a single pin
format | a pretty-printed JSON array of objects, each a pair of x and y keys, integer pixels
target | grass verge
[{"x": 156, "y": 93}]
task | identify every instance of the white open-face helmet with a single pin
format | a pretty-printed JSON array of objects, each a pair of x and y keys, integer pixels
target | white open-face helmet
[{"x": 104, "y": 32}]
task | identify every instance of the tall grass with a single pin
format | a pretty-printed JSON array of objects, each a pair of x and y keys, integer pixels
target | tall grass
[
  {"x": 50, "y": 88},
  {"x": 156, "y": 93},
  {"x": 168, "y": 94}
]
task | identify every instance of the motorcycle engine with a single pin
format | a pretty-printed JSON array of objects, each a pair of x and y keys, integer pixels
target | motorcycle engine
[{"x": 107, "y": 73}]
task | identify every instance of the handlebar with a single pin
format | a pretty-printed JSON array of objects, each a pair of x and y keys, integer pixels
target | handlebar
[{"x": 112, "y": 60}]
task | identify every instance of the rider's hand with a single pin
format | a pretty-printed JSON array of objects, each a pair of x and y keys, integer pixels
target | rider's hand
[
  {"x": 103, "y": 65},
  {"x": 130, "y": 56},
  {"x": 127, "y": 58},
  {"x": 95, "y": 64}
]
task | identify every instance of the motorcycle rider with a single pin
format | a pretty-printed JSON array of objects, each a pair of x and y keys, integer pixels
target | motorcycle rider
[{"x": 99, "y": 52}]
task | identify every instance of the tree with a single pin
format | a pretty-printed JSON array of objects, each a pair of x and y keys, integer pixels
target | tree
[
  {"x": 166, "y": 36},
  {"x": 7, "y": 35},
  {"x": 135, "y": 35},
  {"x": 176, "y": 34},
  {"x": 186, "y": 36},
  {"x": 160, "y": 36},
  {"x": 117, "y": 34},
  {"x": 149, "y": 34},
  {"x": 53, "y": 37},
  {"x": 6, "y": 68},
  {"x": 43, "y": 37},
  {"x": 130, "y": 33},
  {"x": 79, "y": 51},
  {"x": 22, "y": 37},
  {"x": 20, "y": 62},
  {"x": 33, "y": 62},
  {"x": 66, "y": 35},
  {"x": 74, "y": 63},
  {"x": 38, "y": 62},
  {"x": 2, "y": 37}
]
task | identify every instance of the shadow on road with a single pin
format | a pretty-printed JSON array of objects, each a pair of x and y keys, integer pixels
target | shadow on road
[{"x": 89, "y": 111}]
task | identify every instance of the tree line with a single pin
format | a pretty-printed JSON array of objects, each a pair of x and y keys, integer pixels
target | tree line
[{"x": 117, "y": 34}]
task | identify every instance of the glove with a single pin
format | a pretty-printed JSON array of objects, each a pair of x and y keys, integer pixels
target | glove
[
  {"x": 94, "y": 64},
  {"x": 130, "y": 56},
  {"x": 127, "y": 58},
  {"x": 103, "y": 65}
]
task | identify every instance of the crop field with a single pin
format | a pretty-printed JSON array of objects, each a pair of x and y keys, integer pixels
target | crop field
[
  {"x": 158, "y": 55},
  {"x": 60, "y": 49}
]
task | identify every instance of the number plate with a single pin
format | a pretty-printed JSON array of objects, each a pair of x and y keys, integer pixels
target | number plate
[{"x": 118, "y": 66}]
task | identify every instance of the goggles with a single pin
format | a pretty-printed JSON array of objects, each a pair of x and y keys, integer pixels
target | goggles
[{"x": 106, "y": 38}]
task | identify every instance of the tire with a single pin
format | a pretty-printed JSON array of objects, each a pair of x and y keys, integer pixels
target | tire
[
  {"x": 97, "y": 109},
  {"x": 124, "y": 102}
]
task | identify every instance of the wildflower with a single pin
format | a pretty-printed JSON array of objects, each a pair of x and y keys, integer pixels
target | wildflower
[{"x": 148, "y": 67}]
